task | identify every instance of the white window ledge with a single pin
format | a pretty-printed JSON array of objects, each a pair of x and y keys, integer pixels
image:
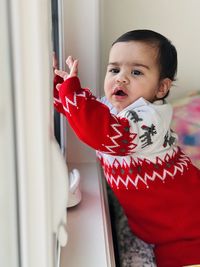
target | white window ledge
[{"x": 88, "y": 224}]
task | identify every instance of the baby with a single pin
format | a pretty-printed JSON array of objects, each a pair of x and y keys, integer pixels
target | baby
[{"x": 154, "y": 181}]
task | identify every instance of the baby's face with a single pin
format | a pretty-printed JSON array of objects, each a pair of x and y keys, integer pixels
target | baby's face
[{"x": 132, "y": 73}]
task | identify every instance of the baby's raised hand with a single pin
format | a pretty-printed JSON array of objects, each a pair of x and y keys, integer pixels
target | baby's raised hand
[
  {"x": 72, "y": 65},
  {"x": 73, "y": 69}
]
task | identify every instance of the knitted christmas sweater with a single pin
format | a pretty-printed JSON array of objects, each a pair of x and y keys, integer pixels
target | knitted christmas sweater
[{"x": 155, "y": 182}]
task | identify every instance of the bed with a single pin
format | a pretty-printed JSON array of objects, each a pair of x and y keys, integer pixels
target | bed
[{"x": 186, "y": 122}]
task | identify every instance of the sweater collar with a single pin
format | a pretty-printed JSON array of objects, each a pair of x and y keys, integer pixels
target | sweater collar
[{"x": 138, "y": 103}]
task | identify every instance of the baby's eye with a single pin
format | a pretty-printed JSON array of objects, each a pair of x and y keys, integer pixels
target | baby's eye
[
  {"x": 114, "y": 70},
  {"x": 136, "y": 72}
]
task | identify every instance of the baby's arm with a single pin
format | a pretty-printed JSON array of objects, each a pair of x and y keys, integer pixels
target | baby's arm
[
  {"x": 90, "y": 119},
  {"x": 93, "y": 122}
]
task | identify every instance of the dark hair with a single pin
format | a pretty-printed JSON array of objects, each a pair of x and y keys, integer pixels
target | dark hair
[{"x": 167, "y": 55}]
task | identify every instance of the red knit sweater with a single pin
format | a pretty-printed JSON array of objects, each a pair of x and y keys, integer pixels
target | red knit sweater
[{"x": 156, "y": 184}]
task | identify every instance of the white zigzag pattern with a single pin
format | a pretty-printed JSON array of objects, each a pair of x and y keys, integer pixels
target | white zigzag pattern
[
  {"x": 69, "y": 102},
  {"x": 113, "y": 139},
  {"x": 125, "y": 183},
  {"x": 115, "y": 144},
  {"x": 129, "y": 160},
  {"x": 177, "y": 168},
  {"x": 57, "y": 100}
]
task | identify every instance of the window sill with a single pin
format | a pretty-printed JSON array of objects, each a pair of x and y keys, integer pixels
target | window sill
[{"x": 88, "y": 224}]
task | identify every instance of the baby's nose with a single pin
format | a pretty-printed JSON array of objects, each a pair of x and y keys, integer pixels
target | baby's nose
[{"x": 122, "y": 78}]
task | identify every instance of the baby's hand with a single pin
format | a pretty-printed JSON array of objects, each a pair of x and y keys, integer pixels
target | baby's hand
[
  {"x": 73, "y": 66},
  {"x": 73, "y": 69}
]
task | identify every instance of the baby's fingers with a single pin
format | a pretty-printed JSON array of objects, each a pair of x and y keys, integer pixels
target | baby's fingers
[
  {"x": 74, "y": 69},
  {"x": 70, "y": 61},
  {"x": 62, "y": 74}
]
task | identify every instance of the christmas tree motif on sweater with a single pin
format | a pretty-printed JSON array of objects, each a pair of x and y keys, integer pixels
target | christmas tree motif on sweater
[{"x": 121, "y": 140}]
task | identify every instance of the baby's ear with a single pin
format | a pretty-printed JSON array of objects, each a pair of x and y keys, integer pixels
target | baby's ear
[{"x": 164, "y": 87}]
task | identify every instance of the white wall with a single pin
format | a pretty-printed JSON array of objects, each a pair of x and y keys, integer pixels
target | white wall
[
  {"x": 81, "y": 23},
  {"x": 176, "y": 19}
]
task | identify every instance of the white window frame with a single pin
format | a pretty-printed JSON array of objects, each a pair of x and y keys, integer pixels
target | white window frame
[{"x": 33, "y": 109}]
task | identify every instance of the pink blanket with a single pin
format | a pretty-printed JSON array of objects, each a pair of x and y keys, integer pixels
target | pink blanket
[{"x": 186, "y": 122}]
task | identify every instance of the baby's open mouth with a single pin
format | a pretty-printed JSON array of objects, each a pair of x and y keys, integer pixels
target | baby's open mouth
[{"x": 120, "y": 93}]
